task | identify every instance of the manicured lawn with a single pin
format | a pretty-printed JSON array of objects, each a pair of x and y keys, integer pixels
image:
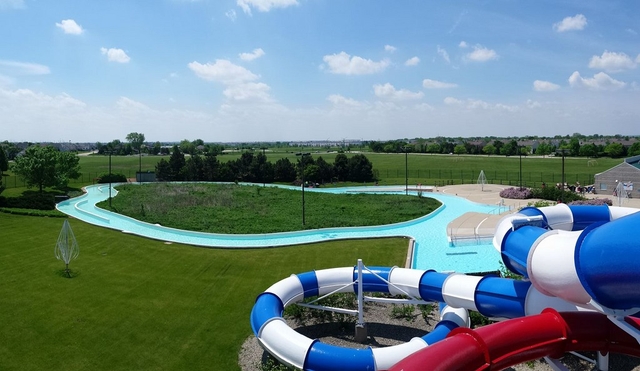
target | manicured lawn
[
  {"x": 229, "y": 208},
  {"x": 139, "y": 304}
]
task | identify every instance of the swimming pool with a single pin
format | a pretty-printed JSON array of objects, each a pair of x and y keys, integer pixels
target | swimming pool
[{"x": 432, "y": 249}]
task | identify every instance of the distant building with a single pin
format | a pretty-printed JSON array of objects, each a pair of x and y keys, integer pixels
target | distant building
[{"x": 628, "y": 173}]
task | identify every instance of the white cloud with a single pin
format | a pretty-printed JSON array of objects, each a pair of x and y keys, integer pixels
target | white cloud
[
  {"x": 231, "y": 14},
  {"x": 533, "y": 104},
  {"x": 632, "y": 31},
  {"x": 413, "y": 61},
  {"x": 463, "y": 44},
  {"x": 222, "y": 71},
  {"x": 388, "y": 91},
  {"x": 481, "y": 54},
  {"x": 477, "y": 104},
  {"x": 443, "y": 53},
  {"x": 264, "y": 5},
  {"x": 69, "y": 26},
  {"x": 433, "y": 84},
  {"x": 115, "y": 55},
  {"x": 599, "y": 81},
  {"x": 344, "y": 64},
  {"x": 452, "y": 101},
  {"x": 127, "y": 103},
  {"x": 540, "y": 85},
  {"x": 390, "y": 48},
  {"x": 239, "y": 81},
  {"x": 12, "y": 4},
  {"x": 577, "y": 22},
  {"x": 339, "y": 100},
  {"x": 248, "y": 91},
  {"x": 255, "y": 54},
  {"x": 22, "y": 68},
  {"x": 612, "y": 62}
]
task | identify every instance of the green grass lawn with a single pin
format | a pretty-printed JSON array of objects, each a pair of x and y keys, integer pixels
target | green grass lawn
[
  {"x": 140, "y": 304},
  {"x": 229, "y": 208},
  {"x": 422, "y": 168}
]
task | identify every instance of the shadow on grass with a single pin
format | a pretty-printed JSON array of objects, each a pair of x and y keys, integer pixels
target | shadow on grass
[{"x": 64, "y": 274}]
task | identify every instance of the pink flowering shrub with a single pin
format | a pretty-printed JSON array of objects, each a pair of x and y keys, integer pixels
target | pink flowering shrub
[
  {"x": 593, "y": 201},
  {"x": 516, "y": 193}
]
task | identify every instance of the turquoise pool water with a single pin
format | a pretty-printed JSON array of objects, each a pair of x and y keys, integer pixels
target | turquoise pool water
[{"x": 432, "y": 249}]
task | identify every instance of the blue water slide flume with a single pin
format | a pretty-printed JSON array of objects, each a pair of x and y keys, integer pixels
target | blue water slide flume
[{"x": 432, "y": 249}]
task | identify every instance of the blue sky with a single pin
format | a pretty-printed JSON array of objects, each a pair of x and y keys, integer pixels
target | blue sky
[{"x": 281, "y": 70}]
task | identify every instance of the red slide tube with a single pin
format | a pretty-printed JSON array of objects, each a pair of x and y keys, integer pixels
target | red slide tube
[{"x": 508, "y": 343}]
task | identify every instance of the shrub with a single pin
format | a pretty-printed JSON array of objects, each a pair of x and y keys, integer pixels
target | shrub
[
  {"x": 516, "y": 193},
  {"x": 403, "y": 311},
  {"x": 555, "y": 194},
  {"x": 30, "y": 200},
  {"x": 114, "y": 178},
  {"x": 593, "y": 201}
]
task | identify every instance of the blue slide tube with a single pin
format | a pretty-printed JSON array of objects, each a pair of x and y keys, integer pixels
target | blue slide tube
[
  {"x": 326, "y": 357},
  {"x": 370, "y": 282},
  {"x": 267, "y": 306},
  {"x": 309, "y": 282},
  {"x": 608, "y": 263},
  {"x": 431, "y": 284},
  {"x": 516, "y": 245},
  {"x": 586, "y": 215},
  {"x": 501, "y": 297}
]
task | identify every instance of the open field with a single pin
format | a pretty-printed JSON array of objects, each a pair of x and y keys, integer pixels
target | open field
[
  {"x": 139, "y": 304},
  {"x": 228, "y": 208},
  {"x": 426, "y": 169}
]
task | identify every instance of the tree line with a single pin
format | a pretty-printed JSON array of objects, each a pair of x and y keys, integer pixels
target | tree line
[
  {"x": 255, "y": 168},
  {"x": 573, "y": 146}
]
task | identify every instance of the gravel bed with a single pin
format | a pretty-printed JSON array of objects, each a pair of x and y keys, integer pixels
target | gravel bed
[{"x": 384, "y": 330}]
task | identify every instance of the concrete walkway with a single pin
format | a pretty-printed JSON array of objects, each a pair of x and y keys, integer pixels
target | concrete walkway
[{"x": 477, "y": 225}]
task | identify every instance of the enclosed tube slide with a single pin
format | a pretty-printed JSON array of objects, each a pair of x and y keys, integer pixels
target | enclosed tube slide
[
  {"x": 586, "y": 255},
  {"x": 575, "y": 258},
  {"x": 494, "y": 347},
  {"x": 490, "y": 295}
]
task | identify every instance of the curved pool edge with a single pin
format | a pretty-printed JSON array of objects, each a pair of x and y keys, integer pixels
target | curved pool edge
[{"x": 415, "y": 229}]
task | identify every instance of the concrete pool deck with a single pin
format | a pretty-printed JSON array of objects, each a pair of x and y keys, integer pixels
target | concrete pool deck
[{"x": 478, "y": 225}]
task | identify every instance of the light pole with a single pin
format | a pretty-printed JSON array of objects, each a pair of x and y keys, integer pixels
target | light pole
[
  {"x": 263, "y": 168},
  {"x": 563, "y": 151},
  {"x": 406, "y": 171},
  {"x": 109, "y": 153},
  {"x": 302, "y": 163},
  {"x": 520, "y": 154},
  {"x": 140, "y": 162}
]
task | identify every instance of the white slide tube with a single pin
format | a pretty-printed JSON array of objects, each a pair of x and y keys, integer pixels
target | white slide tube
[
  {"x": 406, "y": 281},
  {"x": 388, "y": 356},
  {"x": 459, "y": 290},
  {"x": 558, "y": 216},
  {"x": 333, "y": 279},
  {"x": 284, "y": 343},
  {"x": 551, "y": 268},
  {"x": 289, "y": 290}
]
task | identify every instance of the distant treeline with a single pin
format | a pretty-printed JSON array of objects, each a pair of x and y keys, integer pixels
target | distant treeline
[
  {"x": 255, "y": 168},
  {"x": 574, "y": 147}
]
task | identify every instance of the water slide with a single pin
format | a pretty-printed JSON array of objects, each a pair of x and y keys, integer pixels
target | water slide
[{"x": 575, "y": 258}]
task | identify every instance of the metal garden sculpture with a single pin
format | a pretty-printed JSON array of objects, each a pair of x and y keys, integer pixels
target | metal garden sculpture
[{"x": 67, "y": 247}]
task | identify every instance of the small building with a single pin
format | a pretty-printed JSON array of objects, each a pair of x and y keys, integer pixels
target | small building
[
  {"x": 628, "y": 173},
  {"x": 145, "y": 176}
]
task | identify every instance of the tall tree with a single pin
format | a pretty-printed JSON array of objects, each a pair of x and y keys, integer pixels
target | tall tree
[
  {"x": 341, "y": 166},
  {"x": 176, "y": 163},
  {"x": 136, "y": 140},
  {"x": 37, "y": 166},
  {"x": 4, "y": 166},
  {"x": 67, "y": 168}
]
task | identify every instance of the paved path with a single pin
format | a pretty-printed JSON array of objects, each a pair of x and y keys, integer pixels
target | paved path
[{"x": 474, "y": 225}]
